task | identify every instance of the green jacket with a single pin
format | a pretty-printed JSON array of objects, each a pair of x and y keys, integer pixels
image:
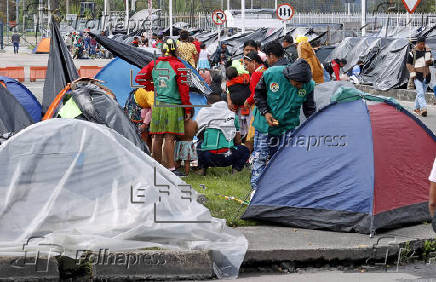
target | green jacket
[{"x": 276, "y": 95}]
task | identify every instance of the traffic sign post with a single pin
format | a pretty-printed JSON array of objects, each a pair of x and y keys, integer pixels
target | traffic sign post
[
  {"x": 285, "y": 12},
  {"x": 219, "y": 18},
  {"x": 410, "y": 6}
]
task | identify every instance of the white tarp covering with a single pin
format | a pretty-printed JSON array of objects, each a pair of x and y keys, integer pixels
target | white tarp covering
[{"x": 73, "y": 182}]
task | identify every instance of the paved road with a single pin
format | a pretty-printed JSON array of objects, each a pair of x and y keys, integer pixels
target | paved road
[
  {"x": 9, "y": 59},
  {"x": 413, "y": 272}
]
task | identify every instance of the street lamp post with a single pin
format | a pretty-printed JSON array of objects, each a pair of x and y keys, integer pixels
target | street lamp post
[
  {"x": 171, "y": 17},
  {"x": 243, "y": 15},
  {"x": 363, "y": 17}
]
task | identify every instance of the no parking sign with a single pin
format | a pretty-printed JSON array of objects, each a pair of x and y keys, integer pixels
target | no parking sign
[{"x": 219, "y": 17}]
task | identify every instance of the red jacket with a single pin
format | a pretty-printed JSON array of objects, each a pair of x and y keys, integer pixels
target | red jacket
[
  {"x": 144, "y": 77},
  {"x": 255, "y": 77},
  {"x": 197, "y": 45},
  {"x": 336, "y": 68}
]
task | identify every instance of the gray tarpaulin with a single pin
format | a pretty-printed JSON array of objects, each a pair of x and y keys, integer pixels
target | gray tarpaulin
[
  {"x": 98, "y": 107},
  {"x": 384, "y": 60},
  {"x": 78, "y": 185}
]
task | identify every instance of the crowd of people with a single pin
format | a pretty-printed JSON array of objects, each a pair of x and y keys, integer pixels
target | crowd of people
[
  {"x": 252, "y": 114},
  {"x": 255, "y": 103},
  {"x": 83, "y": 46}
]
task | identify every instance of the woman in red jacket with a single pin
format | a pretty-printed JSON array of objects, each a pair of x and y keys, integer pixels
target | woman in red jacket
[
  {"x": 169, "y": 80},
  {"x": 255, "y": 67}
]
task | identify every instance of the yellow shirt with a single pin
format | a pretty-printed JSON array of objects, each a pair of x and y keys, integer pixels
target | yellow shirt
[{"x": 187, "y": 51}]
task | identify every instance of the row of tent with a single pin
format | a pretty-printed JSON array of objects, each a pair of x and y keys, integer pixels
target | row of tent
[
  {"x": 70, "y": 181},
  {"x": 360, "y": 164},
  {"x": 384, "y": 57}
]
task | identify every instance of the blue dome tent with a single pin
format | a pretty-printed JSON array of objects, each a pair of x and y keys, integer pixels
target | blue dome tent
[
  {"x": 359, "y": 164},
  {"x": 24, "y": 96},
  {"x": 119, "y": 76}
]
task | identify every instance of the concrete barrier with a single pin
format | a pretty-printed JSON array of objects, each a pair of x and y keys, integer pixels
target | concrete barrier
[
  {"x": 37, "y": 73},
  {"x": 89, "y": 71},
  {"x": 399, "y": 94}
]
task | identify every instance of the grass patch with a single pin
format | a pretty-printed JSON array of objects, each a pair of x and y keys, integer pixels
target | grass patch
[{"x": 221, "y": 181}]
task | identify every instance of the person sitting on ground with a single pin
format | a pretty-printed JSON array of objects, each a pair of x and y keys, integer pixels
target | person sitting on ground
[
  {"x": 335, "y": 67},
  {"x": 291, "y": 53},
  {"x": 238, "y": 87},
  {"x": 171, "y": 89},
  {"x": 357, "y": 69},
  {"x": 186, "y": 50},
  {"x": 221, "y": 54},
  {"x": 418, "y": 63},
  {"x": 219, "y": 138},
  {"x": 185, "y": 149}
]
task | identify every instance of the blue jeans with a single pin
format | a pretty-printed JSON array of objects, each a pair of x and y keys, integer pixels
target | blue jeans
[
  {"x": 235, "y": 157},
  {"x": 16, "y": 47},
  {"x": 421, "y": 88},
  {"x": 265, "y": 146}
]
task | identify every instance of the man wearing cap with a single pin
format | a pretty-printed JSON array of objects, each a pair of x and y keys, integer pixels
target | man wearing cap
[
  {"x": 280, "y": 93},
  {"x": 418, "y": 63}
]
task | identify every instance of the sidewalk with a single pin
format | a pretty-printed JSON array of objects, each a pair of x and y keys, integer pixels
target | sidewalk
[{"x": 274, "y": 244}]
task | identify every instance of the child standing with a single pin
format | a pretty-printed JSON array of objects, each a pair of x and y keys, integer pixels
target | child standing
[
  {"x": 203, "y": 59},
  {"x": 238, "y": 87},
  {"x": 185, "y": 149}
]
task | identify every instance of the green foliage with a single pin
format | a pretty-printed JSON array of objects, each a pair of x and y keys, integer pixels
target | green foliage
[
  {"x": 221, "y": 181},
  {"x": 429, "y": 247}
]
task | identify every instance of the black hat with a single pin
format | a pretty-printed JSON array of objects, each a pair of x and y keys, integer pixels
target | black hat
[
  {"x": 299, "y": 71},
  {"x": 421, "y": 39}
]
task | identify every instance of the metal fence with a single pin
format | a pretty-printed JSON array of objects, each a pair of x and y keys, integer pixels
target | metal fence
[{"x": 374, "y": 22}]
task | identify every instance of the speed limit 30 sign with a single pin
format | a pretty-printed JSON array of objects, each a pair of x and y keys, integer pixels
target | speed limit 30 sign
[{"x": 285, "y": 12}]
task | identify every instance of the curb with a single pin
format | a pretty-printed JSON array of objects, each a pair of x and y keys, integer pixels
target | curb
[
  {"x": 399, "y": 94},
  {"x": 19, "y": 268},
  {"x": 158, "y": 265},
  {"x": 108, "y": 266},
  {"x": 305, "y": 246}
]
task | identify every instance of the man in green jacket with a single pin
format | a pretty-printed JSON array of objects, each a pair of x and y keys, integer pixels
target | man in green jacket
[{"x": 279, "y": 96}]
